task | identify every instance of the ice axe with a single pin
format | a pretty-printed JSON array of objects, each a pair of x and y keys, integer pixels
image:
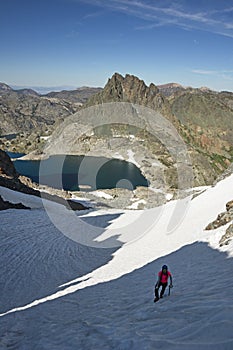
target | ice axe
[{"x": 169, "y": 290}]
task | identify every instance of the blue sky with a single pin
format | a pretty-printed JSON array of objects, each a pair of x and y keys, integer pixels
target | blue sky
[{"x": 82, "y": 42}]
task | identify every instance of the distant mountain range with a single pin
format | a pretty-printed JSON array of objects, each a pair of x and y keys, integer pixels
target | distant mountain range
[
  {"x": 25, "y": 110},
  {"x": 172, "y": 88},
  {"x": 81, "y": 93},
  {"x": 166, "y": 89},
  {"x": 43, "y": 90}
]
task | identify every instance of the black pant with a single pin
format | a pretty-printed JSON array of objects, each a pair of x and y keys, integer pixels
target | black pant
[{"x": 164, "y": 285}]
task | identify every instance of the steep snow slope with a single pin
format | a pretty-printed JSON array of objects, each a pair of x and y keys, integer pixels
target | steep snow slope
[{"x": 105, "y": 298}]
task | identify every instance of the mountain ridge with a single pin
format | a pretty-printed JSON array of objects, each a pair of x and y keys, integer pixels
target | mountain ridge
[
  {"x": 202, "y": 117},
  {"x": 210, "y": 143}
]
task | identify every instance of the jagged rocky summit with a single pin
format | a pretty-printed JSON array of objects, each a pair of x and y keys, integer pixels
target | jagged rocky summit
[{"x": 134, "y": 90}]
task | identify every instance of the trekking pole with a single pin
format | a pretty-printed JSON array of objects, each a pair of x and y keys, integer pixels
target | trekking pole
[{"x": 169, "y": 290}]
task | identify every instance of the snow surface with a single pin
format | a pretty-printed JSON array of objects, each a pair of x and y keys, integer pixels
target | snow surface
[
  {"x": 59, "y": 294},
  {"x": 136, "y": 203},
  {"x": 131, "y": 158},
  {"x": 102, "y": 194}
]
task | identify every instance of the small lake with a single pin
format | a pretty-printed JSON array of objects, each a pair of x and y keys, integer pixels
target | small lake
[
  {"x": 74, "y": 173},
  {"x": 13, "y": 155},
  {"x": 9, "y": 136}
]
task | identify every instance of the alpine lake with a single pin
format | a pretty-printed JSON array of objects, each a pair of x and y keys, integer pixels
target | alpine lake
[{"x": 81, "y": 173}]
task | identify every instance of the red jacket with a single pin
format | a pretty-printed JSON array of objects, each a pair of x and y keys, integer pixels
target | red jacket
[{"x": 163, "y": 278}]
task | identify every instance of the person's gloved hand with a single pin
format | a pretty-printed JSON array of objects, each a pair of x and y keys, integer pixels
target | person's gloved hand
[{"x": 171, "y": 286}]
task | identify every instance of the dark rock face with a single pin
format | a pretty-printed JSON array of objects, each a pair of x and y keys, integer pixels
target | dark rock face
[
  {"x": 7, "y": 205},
  {"x": 6, "y": 166},
  {"x": 8, "y": 173}
]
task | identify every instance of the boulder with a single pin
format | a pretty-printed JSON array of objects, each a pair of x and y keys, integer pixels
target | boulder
[
  {"x": 6, "y": 166},
  {"x": 225, "y": 240}
]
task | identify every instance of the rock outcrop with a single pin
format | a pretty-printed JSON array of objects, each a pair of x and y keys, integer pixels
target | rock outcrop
[
  {"x": 221, "y": 220},
  {"x": 225, "y": 240},
  {"x": 7, "y": 168},
  {"x": 4, "y": 205}
]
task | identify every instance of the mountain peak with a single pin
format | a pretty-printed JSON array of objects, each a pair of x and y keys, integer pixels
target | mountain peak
[
  {"x": 27, "y": 91},
  {"x": 128, "y": 89},
  {"x": 205, "y": 89},
  {"x": 133, "y": 90},
  {"x": 4, "y": 87},
  {"x": 116, "y": 76},
  {"x": 170, "y": 88}
]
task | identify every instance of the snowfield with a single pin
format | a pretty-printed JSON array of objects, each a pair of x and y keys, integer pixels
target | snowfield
[{"x": 57, "y": 293}]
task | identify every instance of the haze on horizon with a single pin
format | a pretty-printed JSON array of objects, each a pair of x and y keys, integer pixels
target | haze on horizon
[{"x": 73, "y": 43}]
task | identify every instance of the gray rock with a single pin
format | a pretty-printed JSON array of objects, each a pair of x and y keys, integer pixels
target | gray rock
[{"x": 227, "y": 237}]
